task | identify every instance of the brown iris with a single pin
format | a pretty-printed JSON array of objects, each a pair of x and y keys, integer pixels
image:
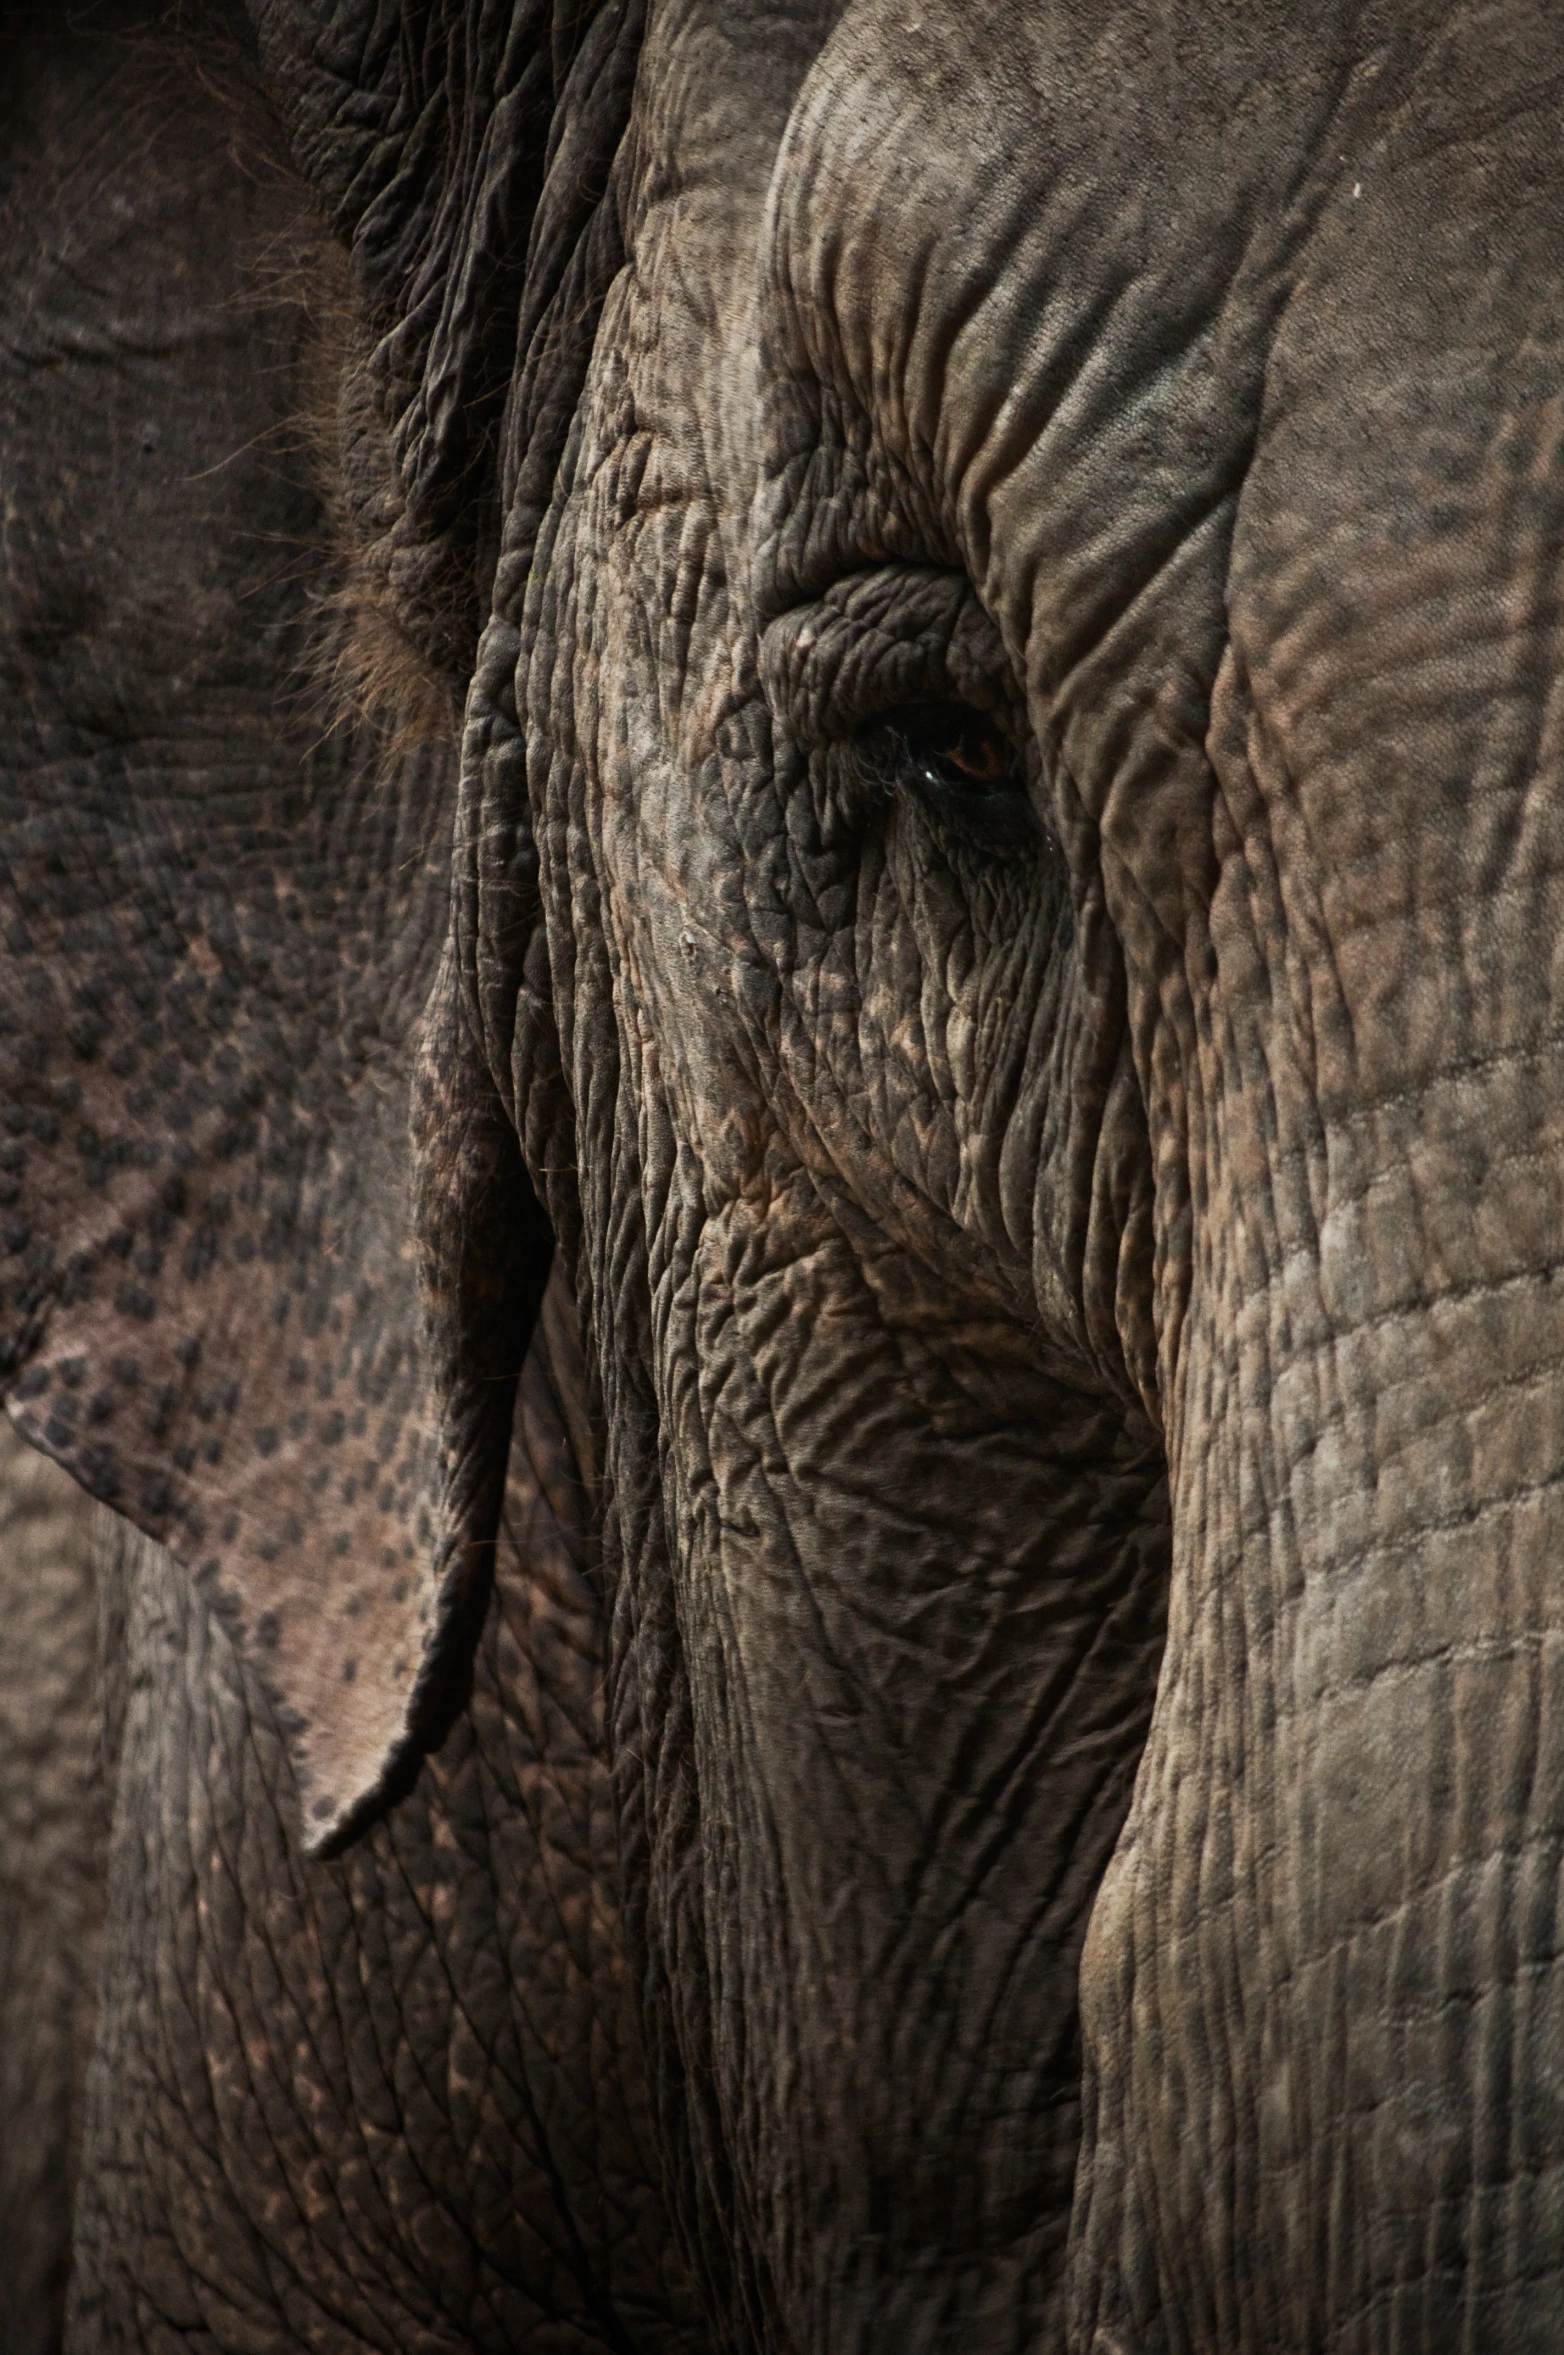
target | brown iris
[{"x": 952, "y": 748}]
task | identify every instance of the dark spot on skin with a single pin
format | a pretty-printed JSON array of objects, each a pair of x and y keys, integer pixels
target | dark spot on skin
[
  {"x": 16, "y": 1234},
  {"x": 399, "y": 1591},
  {"x": 230, "y": 1528},
  {"x": 268, "y": 1632},
  {"x": 100, "y": 1406},
  {"x": 349, "y": 1671},
  {"x": 321, "y": 1809},
  {"x": 332, "y": 1429},
  {"x": 156, "y": 1498},
  {"x": 266, "y": 1441},
  {"x": 78, "y": 1281},
  {"x": 34, "y": 1382},
  {"x": 188, "y": 1352},
  {"x": 99, "y": 1467},
  {"x": 399, "y": 1670},
  {"x": 72, "y": 1372},
  {"x": 200, "y": 1256},
  {"x": 126, "y": 1371},
  {"x": 211, "y": 1451},
  {"x": 132, "y": 1301}
]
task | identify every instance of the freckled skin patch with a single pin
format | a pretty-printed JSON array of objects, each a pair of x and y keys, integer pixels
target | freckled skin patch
[{"x": 222, "y": 923}]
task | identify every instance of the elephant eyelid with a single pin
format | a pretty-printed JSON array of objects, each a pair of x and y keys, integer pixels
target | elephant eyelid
[
  {"x": 893, "y": 687},
  {"x": 901, "y": 639}
]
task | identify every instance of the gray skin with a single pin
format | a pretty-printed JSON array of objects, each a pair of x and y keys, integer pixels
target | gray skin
[
  {"x": 52, "y": 1838},
  {"x": 861, "y": 1477}
]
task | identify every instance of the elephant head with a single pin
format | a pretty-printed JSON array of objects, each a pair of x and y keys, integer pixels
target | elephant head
[{"x": 1000, "y": 567}]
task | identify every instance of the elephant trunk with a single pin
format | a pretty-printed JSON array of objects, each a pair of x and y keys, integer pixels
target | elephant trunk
[{"x": 1323, "y": 1991}]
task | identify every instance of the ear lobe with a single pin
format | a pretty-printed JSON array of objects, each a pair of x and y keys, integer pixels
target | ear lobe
[
  {"x": 235, "y": 1349},
  {"x": 485, "y": 1249}
]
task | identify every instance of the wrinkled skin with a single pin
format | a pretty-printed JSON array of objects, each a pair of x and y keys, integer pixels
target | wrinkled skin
[
  {"x": 51, "y": 1875},
  {"x": 1022, "y": 1616}
]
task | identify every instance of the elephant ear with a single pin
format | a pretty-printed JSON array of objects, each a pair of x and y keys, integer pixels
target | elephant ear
[
  {"x": 462, "y": 151},
  {"x": 225, "y": 999}
]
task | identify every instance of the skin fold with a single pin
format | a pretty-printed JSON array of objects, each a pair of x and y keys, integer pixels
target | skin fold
[{"x": 843, "y": 1633}]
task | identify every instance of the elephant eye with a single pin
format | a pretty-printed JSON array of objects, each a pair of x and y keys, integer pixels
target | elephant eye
[
  {"x": 960, "y": 760},
  {"x": 951, "y": 747}
]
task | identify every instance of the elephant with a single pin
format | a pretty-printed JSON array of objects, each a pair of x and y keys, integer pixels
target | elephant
[{"x": 781, "y": 1113}]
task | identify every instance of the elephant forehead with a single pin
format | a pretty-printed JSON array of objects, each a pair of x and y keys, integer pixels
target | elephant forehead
[
  {"x": 1036, "y": 249},
  {"x": 1023, "y": 276}
]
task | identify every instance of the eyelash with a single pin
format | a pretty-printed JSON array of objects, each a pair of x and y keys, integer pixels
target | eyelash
[{"x": 960, "y": 763}]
